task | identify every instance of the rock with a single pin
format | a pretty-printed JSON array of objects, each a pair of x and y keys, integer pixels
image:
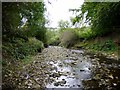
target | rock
[
  {"x": 89, "y": 68},
  {"x": 82, "y": 70},
  {"x": 74, "y": 63},
  {"x": 78, "y": 85},
  {"x": 65, "y": 85},
  {"x": 61, "y": 84},
  {"x": 54, "y": 75},
  {"x": 114, "y": 84},
  {"x": 63, "y": 81},
  {"x": 60, "y": 65},
  {"x": 66, "y": 55},
  {"x": 56, "y": 84},
  {"x": 74, "y": 74},
  {"x": 73, "y": 85}
]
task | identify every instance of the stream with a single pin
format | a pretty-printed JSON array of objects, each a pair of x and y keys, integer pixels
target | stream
[
  {"x": 78, "y": 70},
  {"x": 58, "y": 67},
  {"x": 69, "y": 72}
]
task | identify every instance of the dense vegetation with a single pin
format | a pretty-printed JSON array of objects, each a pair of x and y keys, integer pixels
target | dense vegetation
[
  {"x": 24, "y": 29},
  {"x": 102, "y": 16}
]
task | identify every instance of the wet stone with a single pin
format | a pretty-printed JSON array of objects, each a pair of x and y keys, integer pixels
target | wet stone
[
  {"x": 60, "y": 65},
  {"x": 73, "y": 63},
  {"x": 66, "y": 55},
  {"x": 78, "y": 85},
  {"x": 82, "y": 70},
  {"x": 63, "y": 81},
  {"x": 61, "y": 84},
  {"x": 56, "y": 84},
  {"x": 73, "y": 85}
]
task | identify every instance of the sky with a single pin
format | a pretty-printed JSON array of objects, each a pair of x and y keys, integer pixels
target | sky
[{"x": 59, "y": 10}]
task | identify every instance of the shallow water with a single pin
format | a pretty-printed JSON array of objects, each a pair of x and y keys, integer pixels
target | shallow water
[
  {"x": 79, "y": 70},
  {"x": 73, "y": 71}
]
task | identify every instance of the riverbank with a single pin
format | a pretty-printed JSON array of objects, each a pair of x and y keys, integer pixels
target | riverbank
[{"x": 105, "y": 46}]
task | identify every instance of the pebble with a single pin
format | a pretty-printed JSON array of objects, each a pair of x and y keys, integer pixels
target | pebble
[
  {"x": 114, "y": 84},
  {"x": 56, "y": 84},
  {"x": 78, "y": 85},
  {"x": 82, "y": 70}
]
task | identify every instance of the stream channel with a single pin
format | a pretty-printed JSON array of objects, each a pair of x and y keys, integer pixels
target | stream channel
[{"x": 70, "y": 68}]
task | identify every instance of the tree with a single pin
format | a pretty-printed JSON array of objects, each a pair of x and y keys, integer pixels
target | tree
[
  {"x": 14, "y": 12},
  {"x": 22, "y": 23},
  {"x": 102, "y": 16},
  {"x": 63, "y": 24}
]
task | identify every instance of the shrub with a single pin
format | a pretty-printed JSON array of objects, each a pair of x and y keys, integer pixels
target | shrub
[
  {"x": 85, "y": 32},
  {"x": 108, "y": 45},
  {"x": 20, "y": 49},
  {"x": 52, "y": 37}
]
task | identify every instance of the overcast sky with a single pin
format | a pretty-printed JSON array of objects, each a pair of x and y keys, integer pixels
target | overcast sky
[{"x": 59, "y": 10}]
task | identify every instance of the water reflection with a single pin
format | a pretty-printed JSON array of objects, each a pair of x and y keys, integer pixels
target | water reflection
[{"x": 69, "y": 73}]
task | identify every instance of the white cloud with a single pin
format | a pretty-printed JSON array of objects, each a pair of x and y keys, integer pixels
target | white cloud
[{"x": 59, "y": 10}]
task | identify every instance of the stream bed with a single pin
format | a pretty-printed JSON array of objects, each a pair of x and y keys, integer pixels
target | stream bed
[
  {"x": 69, "y": 69},
  {"x": 60, "y": 68},
  {"x": 76, "y": 69}
]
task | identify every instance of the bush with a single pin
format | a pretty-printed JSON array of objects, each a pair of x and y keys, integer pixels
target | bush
[
  {"x": 108, "y": 45},
  {"x": 20, "y": 49},
  {"x": 55, "y": 42},
  {"x": 85, "y": 32},
  {"x": 52, "y": 37}
]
